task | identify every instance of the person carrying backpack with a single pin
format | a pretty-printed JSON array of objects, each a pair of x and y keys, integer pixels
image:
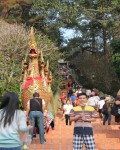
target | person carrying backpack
[{"x": 35, "y": 111}]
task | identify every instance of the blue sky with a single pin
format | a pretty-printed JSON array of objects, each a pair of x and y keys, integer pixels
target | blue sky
[{"x": 68, "y": 33}]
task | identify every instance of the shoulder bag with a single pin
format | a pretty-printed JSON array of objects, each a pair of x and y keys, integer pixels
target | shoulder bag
[
  {"x": 115, "y": 110},
  {"x": 39, "y": 103}
]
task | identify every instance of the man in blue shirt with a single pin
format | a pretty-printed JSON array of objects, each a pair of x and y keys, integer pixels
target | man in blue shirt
[{"x": 73, "y": 97}]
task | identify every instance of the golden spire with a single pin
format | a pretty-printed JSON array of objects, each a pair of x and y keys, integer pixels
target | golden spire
[
  {"x": 47, "y": 66},
  {"x": 42, "y": 59},
  {"x": 42, "y": 65},
  {"x": 50, "y": 75},
  {"x": 32, "y": 42},
  {"x": 25, "y": 61}
]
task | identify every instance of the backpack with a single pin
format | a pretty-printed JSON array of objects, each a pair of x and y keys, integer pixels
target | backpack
[
  {"x": 105, "y": 109},
  {"x": 115, "y": 110}
]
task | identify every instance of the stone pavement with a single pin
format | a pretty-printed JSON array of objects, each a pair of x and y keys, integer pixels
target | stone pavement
[{"x": 106, "y": 137}]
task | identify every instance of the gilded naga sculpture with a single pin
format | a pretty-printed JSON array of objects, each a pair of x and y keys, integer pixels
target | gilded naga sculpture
[{"x": 34, "y": 76}]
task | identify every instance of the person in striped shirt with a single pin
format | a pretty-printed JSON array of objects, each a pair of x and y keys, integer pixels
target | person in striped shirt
[{"x": 83, "y": 115}]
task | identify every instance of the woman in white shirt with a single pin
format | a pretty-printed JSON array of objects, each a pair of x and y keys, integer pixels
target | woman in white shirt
[
  {"x": 12, "y": 120},
  {"x": 67, "y": 108},
  {"x": 100, "y": 106}
]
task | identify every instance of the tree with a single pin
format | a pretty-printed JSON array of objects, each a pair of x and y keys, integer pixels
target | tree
[
  {"x": 102, "y": 18},
  {"x": 13, "y": 48},
  {"x": 115, "y": 44},
  {"x": 96, "y": 22},
  {"x": 15, "y": 10}
]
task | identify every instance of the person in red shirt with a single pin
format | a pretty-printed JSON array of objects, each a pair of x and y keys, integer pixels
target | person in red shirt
[{"x": 63, "y": 98}]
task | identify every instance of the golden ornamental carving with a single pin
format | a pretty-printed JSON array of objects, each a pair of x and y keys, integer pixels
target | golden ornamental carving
[
  {"x": 34, "y": 76},
  {"x": 32, "y": 42}
]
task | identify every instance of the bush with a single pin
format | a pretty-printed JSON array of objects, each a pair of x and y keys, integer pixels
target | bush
[{"x": 13, "y": 48}]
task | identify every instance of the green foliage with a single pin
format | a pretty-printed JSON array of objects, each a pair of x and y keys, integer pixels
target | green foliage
[
  {"x": 13, "y": 10},
  {"x": 14, "y": 46},
  {"x": 85, "y": 16},
  {"x": 13, "y": 41},
  {"x": 95, "y": 71},
  {"x": 95, "y": 22},
  {"x": 115, "y": 44}
]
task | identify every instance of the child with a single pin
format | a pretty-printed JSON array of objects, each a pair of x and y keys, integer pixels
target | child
[
  {"x": 107, "y": 111},
  {"x": 49, "y": 120},
  {"x": 67, "y": 108}
]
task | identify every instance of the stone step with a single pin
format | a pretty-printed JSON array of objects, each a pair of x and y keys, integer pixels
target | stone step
[{"x": 106, "y": 137}]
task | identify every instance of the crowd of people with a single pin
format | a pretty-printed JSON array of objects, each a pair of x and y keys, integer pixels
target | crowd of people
[
  {"x": 82, "y": 109},
  {"x": 78, "y": 105},
  {"x": 82, "y": 106},
  {"x": 64, "y": 71},
  {"x": 103, "y": 105}
]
